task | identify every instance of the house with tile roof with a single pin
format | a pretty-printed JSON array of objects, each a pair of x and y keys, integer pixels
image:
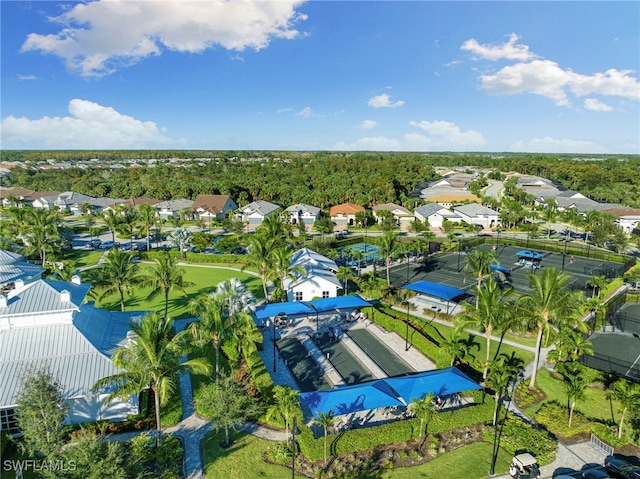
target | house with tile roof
[
  {"x": 345, "y": 214},
  {"x": 47, "y": 324},
  {"x": 210, "y": 207},
  {"x": 254, "y": 213},
  {"x": 302, "y": 213},
  {"x": 316, "y": 279}
]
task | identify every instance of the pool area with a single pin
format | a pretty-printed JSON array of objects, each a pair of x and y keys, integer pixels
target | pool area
[{"x": 370, "y": 253}]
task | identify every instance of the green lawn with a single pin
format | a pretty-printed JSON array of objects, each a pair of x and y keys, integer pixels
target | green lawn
[
  {"x": 205, "y": 280},
  {"x": 245, "y": 455},
  {"x": 84, "y": 258}
]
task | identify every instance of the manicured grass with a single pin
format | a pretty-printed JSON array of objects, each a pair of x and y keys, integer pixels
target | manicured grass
[
  {"x": 469, "y": 462},
  {"x": 84, "y": 259},
  {"x": 205, "y": 280}
]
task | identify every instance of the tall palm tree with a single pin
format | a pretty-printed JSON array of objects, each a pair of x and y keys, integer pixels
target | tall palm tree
[
  {"x": 570, "y": 346},
  {"x": 597, "y": 283},
  {"x": 549, "y": 304},
  {"x": 326, "y": 420},
  {"x": 181, "y": 239},
  {"x": 213, "y": 325},
  {"x": 503, "y": 370},
  {"x": 388, "y": 247},
  {"x": 280, "y": 263},
  {"x": 286, "y": 405},
  {"x": 425, "y": 409},
  {"x": 627, "y": 393},
  {"x": 150, "y": 359},
  {"x": 113, "y": 219},
  {"x": 274, "y": 228},
  {"x": 119, "y": 274},
  {"x": 164, "y": 277},
  {"x": 478, "y": 265},
  {"x": 575, "y": 383},
  {"x": 246, "y": 334},
  {"x": 147, "y": 217},
  {"x": 258, "y": 256},
  {"x": 344, "y": 274},
  {"x": 492, "y": 308},
  {"x": 235, "y": 297},
  {"x": 42, "y": 231},
  {"x": 458, "y": 348},
  {"x": 549, "y": 214}
]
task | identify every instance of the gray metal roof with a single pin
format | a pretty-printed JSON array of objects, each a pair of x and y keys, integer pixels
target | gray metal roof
[
  {"x": 44, "y": 296},
  {"x": 8, "y": 257},
  {"x": 77, "y": 353},
  {"x": 174, "y": 205},
  {"x": 474, "y": 209},
  {"x": 261, "y": 207},
  {"x": 430, "y": 209},
  {"x": 303, "y": 208},
  {"x": 20, "y": 270}
]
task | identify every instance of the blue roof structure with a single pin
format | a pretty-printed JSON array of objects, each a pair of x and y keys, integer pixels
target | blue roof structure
[
  {"x": 437, "y": 290},
  {"x": 526, "y": 254},
  {"x": 497, "y": 267},
  {"x": 345, "y": 400},
  {"x": 330, "y": 304},
  {"x": 439, "y": 382},
  {"x": 273, "y": 309}
]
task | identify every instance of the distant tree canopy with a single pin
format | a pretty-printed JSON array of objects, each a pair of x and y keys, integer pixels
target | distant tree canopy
[{"x": 318, "y": 178}]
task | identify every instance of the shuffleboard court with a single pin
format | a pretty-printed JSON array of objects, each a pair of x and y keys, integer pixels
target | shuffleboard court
[
  {"x": 615, "y": 353},
  {"x": 386, "y": 359},
  {"x": 307, "y": 373},
  {"x": 345, "y": 363}
]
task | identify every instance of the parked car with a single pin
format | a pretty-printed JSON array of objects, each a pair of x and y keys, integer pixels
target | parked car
[
  {"x": 95, "y": 243},
  {"x": 597, "y": 473},
  {"x": 619, "y": 467},
  {"x": 524, "y": 466},
  {"x": 109, "y": 245},
  {"x": 140, "y": 246}
]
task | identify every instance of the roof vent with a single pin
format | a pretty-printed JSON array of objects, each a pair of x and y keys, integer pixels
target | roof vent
[
  {"x": 19, "y": 284},
  {"x": 3, "y": 301},
  {"x": 75, "y": 279},
  {"x": 65, "y": 296}
]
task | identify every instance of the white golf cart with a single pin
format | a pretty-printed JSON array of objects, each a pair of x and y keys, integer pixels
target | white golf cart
[{"x": 524, "y": 466}]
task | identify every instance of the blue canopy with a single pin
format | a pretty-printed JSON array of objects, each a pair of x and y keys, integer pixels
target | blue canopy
[
  {"x": 435, "y": 289},
  {"x": 526, "y": 254},
  {"x": 497, "y": 267},
  {"x": 273, "y": 309},
  {"x": 348, "y": 399},
  {"x": 439, "y": 382},
  {"x": 329, "y": 304}
]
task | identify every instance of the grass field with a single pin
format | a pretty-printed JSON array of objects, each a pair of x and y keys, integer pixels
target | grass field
[{"x": 204, "y": 279}]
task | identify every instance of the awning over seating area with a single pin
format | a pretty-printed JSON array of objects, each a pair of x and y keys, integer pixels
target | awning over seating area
[
  {"x": 331, "y": 304},
  {"x": 388, "y": 392},
  {"x": 526, "y": 254},
  {"x": 310, "y": 307},
  {"x": 436, "y": 290},
  {"x": 497, "y": 267},
  {"x": 273, "y": 309}
]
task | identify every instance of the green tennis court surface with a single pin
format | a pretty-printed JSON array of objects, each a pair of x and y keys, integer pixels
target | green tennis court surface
[
  {"x": 307, "y": 373},
  {"x": 386, "y": 359},
  {"x": 345, "y": 363},
  {"x": 615, "y": 353},
  {"x": 627, "y": 318}
]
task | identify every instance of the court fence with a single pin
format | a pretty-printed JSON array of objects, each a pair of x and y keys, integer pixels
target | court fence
[{"x": 608, "y": 364}]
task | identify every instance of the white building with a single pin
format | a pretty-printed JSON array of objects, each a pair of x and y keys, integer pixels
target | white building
[
  {"x": 478, "y": 215},
  {"x": 254, "y": 213},
  {"x": 318, "y": 279},
  {"x": 435, "y": 214},
  {"x": 46, "y": 324},
  {"x": 302, "y": 213}
]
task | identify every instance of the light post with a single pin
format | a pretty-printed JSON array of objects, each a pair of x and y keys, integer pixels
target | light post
[
  {"x": 406, "y": 334},
  {"x": 294, "y": 432},
  {"x": 273, "y": 338},
  {"x": 564, "y": 255}
]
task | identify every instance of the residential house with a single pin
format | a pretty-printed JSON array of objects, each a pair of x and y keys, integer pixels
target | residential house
[
  {"x": 46, "y": 324},
  {"x": 478, "y": 215},
  {"x": 302, "y": 213},
  {"x": 210, "y": 207},
  {"x": 173, "y": 208},
  {"x": 15, "y": 196},
  {"x": 133, "y": 202},
  {"x": 401, "y": 215},
  {"x": 435, "y": 214},
  {"x": 345, "y": 214},
  {"x": 627, "y": 218},
  {"x": 317, "y": 279},
  {"x": 254, "y": 213}
]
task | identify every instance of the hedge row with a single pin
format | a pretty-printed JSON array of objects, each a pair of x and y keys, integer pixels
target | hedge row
[{"x": 260, "y": 375}]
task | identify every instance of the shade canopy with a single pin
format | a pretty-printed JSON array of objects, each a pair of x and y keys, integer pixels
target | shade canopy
[
  {"x": 436, "y": 290},
  {"x": 330, "y": 304},
  {"x": 310, "y": 307},
  {"x": 497, "y": 267},
  {"x": 440, "y": 382},
  {"x": 526, "y": 254},
  {"x": 273, "y": 309},
  {"x": 349, "y": 399}
]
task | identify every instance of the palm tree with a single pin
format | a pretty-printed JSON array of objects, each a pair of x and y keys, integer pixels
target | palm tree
[
  {"x": 344, "y": 274},
  {"x": 388, "y": 247},
  {"x": 113, "y": 220},
  {"x": 246, "y": 334},
  {"x": 150, "y": 359},
  {"x": 549, "y": 304},
  {"x": 326, "y": 420},
  {"x": 478, "y": 265},
  {"x": 575, "y": 383},
  {"x": 280, "y": 262},
  {"x": 258, "y": 256},
  {"x": 235, "y": 297},
  {"x": 41, "y": 232},
  {"x": 181, "y": 239},
  {"x": 459, "y": 348},
  {"x": 147, "y": 217},
  {"x": 285, "y": 407},
  {"x": 504, "y": 370},
  {"x": 213, "y": 325},
  {"x": 549, "y": 214},
  {"x": 570, "y": 346},
  {"x": 492, "y": 308},
  {"x": 119, "y": 275},
  {"x": 590, "y": 222},
  {"x": 425, "y": 409},
  {"x": 627, "y": 393},
  {"x": 164, "y": 277},
  {"x": 597, "y": 283},
  {"x": 274, "y": 228}
]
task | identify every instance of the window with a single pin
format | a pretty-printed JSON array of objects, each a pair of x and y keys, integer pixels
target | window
[
  {"x": 325, "y": 294},
  {"x": 8, "y": 421},
  {"x": 298, "y": 296}
]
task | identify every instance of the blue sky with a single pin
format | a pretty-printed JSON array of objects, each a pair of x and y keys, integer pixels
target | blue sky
[{"x": 549, "y": 77}]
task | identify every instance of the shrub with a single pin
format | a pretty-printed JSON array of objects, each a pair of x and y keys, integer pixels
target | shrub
[
  {"x": 260, "y": 375},
  {"x": 518, "y": 436}
]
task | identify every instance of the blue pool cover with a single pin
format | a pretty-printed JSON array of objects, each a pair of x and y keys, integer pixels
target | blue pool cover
[{"x": 437, "y": 290}]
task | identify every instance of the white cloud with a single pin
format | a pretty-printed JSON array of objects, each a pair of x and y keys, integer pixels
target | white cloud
[
  {"x": 368, "y": 124},
  {"x": 384, "y": 101},
  {"x": 284, "y": 110},
  {"x": 437, "y": 136},
  {"x": 27, "y": 77},
  {"x": 554, "y": 145},
  {"x": 90, "y": 126},
  {"x": 98, "y": 37},
  {"x": 595, "y": 105},
  {"x": 509, "y": 50},
  {"x": 306, "y": 112}
]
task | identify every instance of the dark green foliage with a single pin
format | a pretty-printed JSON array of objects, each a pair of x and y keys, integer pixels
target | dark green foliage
[{"x": 518, "y": 436}]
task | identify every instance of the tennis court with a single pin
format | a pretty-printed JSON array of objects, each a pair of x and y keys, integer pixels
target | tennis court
[
  {"x": 307, "y": 373},
  {"x": 386, "y": 359},
  {"x": 615, "y": 353},
  {"x": 370, "y": 253},
  {"x": 627, "y": 318}
]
